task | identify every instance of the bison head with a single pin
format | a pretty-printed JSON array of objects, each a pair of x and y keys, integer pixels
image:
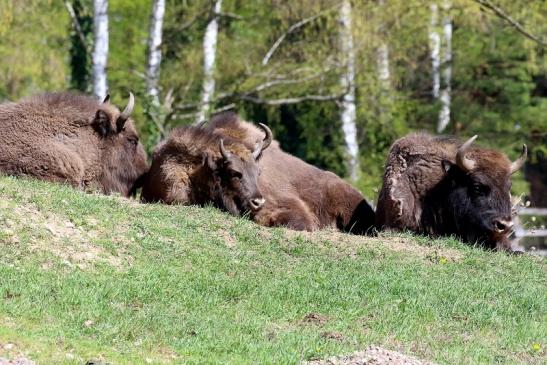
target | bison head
[
  {"x": 236, "y": 177},
  {"x": 479, "y": 194},
  {"x": 123, "y": 159}
]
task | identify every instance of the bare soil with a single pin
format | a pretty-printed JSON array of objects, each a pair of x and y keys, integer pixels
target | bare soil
[{"x": 372, "y": 355}]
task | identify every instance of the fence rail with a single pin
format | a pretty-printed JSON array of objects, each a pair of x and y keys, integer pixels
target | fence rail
[{"x": 520, "y": 231}]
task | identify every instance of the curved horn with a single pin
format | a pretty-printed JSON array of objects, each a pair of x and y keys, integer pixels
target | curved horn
[
  {"x": 129, "y": 108},
  {"x": 106, "y": 98},
  {"x": 227, "y": 155},
  {"x": 257, "y": 150},
  {"x": 268, "y": 138},
  {"x": 463, "y": 162},
  {"x": 262, "y": 145},
  {"x": 517, "y": 164}
]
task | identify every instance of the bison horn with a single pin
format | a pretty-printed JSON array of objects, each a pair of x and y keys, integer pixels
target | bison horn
[
  {"x": 268, "y": 138},
  {"x": 129, "y": 108},
  {"x": 106, "y": 98},
  {"x": 124, "y": 116},
  {"x": 463, "y": 162},
  {"x": 265, "y": 143},
  {"x": 227, "y": 155},
  {"x": 516, "y": 165}
]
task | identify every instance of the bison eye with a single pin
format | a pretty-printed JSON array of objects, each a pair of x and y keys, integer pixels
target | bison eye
[
  {"x": 235, "y": 174},
  {"x": 133, "y": 141},
  {"x": 480, "y": 189}
]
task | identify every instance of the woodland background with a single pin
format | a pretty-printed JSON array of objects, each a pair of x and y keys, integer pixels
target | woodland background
[{"x": 410, "y": 65}]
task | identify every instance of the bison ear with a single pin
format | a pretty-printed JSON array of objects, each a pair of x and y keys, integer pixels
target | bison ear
[
  {"x": 209, "y": 161},
  {"x": 447, "y": 165},
  {"x": 101, "y": 123}
]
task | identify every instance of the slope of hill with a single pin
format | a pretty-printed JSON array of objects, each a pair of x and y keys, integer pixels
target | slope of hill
[{"x": 84, "y": 276}]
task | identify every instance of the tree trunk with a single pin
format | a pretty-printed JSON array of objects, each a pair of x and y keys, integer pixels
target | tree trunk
[
  {"x": 382, "y": 61},
  {"x": 154, "y": 49},
  {"x": 382, "y": 58},
  {"x": 446, "y": 59},
  {"x": 100, "y": 47},
  {"x": 209, "y": 54},
  {"x": 347, "y": 80},
  {"x": 435, "y": 49}
]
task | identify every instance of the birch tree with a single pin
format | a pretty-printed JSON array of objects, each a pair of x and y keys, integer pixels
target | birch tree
[
  {"x": 100, "y": 47},
  {"x": 446, "y": 61},
  {"x": 209, "y": 55},
  {"x": 382, "y": 57},
  {"x": 347, "y": 80},
  {"x": 154, "y": 49},
  {"x": 435, "y": 49}
]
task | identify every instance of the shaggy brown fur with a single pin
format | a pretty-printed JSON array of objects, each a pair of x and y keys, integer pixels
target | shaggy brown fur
[
  {"x": 71, "y": 138},
  {"x": 426, "y": 192},
  {"x": 188, "y": 168},
  {"x": 298, "y": 195}
]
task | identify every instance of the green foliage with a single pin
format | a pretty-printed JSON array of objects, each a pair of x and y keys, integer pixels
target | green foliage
[{"x": 33, "y": 47}]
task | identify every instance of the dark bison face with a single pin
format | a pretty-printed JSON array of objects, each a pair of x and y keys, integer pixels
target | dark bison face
[
  {"x": 123, "y": 156},
  {"x": 236, "y": 177},
  {"x": 479, "y": 196}
]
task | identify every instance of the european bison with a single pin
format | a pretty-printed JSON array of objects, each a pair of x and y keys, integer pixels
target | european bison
[
  {"x": 198, "y": 166},
  {"x": 439, "y": 186},
  {"x": 298, "y": 195},
  {"x": 63, "y": 137}
]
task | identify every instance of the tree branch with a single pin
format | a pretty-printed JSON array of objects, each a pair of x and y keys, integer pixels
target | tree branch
[
  {"x": 77, "y": 25},
  {"x": 291, "y": 29},
  {"x": 257, "y": 100},
  {"x": 503, "y": 15},
  {"x": 224, "y": 14}
]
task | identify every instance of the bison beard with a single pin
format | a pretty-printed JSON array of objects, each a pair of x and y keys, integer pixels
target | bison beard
[
  {"x": 298, "y": 195},
  {"x": 73, "y": 139},
  {"x": 439, "y": 186}
]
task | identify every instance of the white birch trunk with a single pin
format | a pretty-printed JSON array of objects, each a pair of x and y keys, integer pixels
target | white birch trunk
[
  {"x": 209, "y": 54},
  {"x": 435, "y": 49},
  {"x": 446, "y": 92},
  {"x": 154, "y": 49},
  {"x": 382, "y": 59},
  {"x": 100, "y": 47},
  {"x": 347, "y": 80}
]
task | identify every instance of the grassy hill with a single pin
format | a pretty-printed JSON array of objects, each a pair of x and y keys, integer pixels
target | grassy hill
[{"x": 85, "y": 276}]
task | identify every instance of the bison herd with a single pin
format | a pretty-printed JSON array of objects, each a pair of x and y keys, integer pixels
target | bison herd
[{"x": 432, "y": 185}]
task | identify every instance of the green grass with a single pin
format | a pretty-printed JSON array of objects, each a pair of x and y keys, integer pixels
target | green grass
[{"x": 85, "y": 276}]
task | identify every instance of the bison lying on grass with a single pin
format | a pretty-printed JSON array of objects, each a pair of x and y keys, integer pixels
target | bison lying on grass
[
  {"x": 198, "y": 166},
  {"x": 72, "y": 138},
  {"x": 298, "y": 195},
  {"x": 439, "y": 186}
]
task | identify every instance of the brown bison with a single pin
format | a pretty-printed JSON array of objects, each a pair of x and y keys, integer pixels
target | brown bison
[
  {"x": 298, "y": 195},
  {"x": 198, "y": 166},
  {"x": 439, "y": 186},
  {"x": 71, "y": 138}
]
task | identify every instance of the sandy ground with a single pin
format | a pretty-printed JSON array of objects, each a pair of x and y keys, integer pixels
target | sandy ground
[
  {"x": 17, "y": 361},
  {"x": 372, "y": 355}
]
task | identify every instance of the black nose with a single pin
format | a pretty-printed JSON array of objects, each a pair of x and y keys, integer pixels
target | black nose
[
  {"x": 257, "y": 203},
  {"x": 502, "y": 225}
]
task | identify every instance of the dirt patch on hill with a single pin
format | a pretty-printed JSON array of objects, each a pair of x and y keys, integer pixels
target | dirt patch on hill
[
  {"x": 344, "y": 244},
  {"x": 37, "y": 230},
  {"x": 373, "y": 355},
  {"x": 16, "y": 361}
]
